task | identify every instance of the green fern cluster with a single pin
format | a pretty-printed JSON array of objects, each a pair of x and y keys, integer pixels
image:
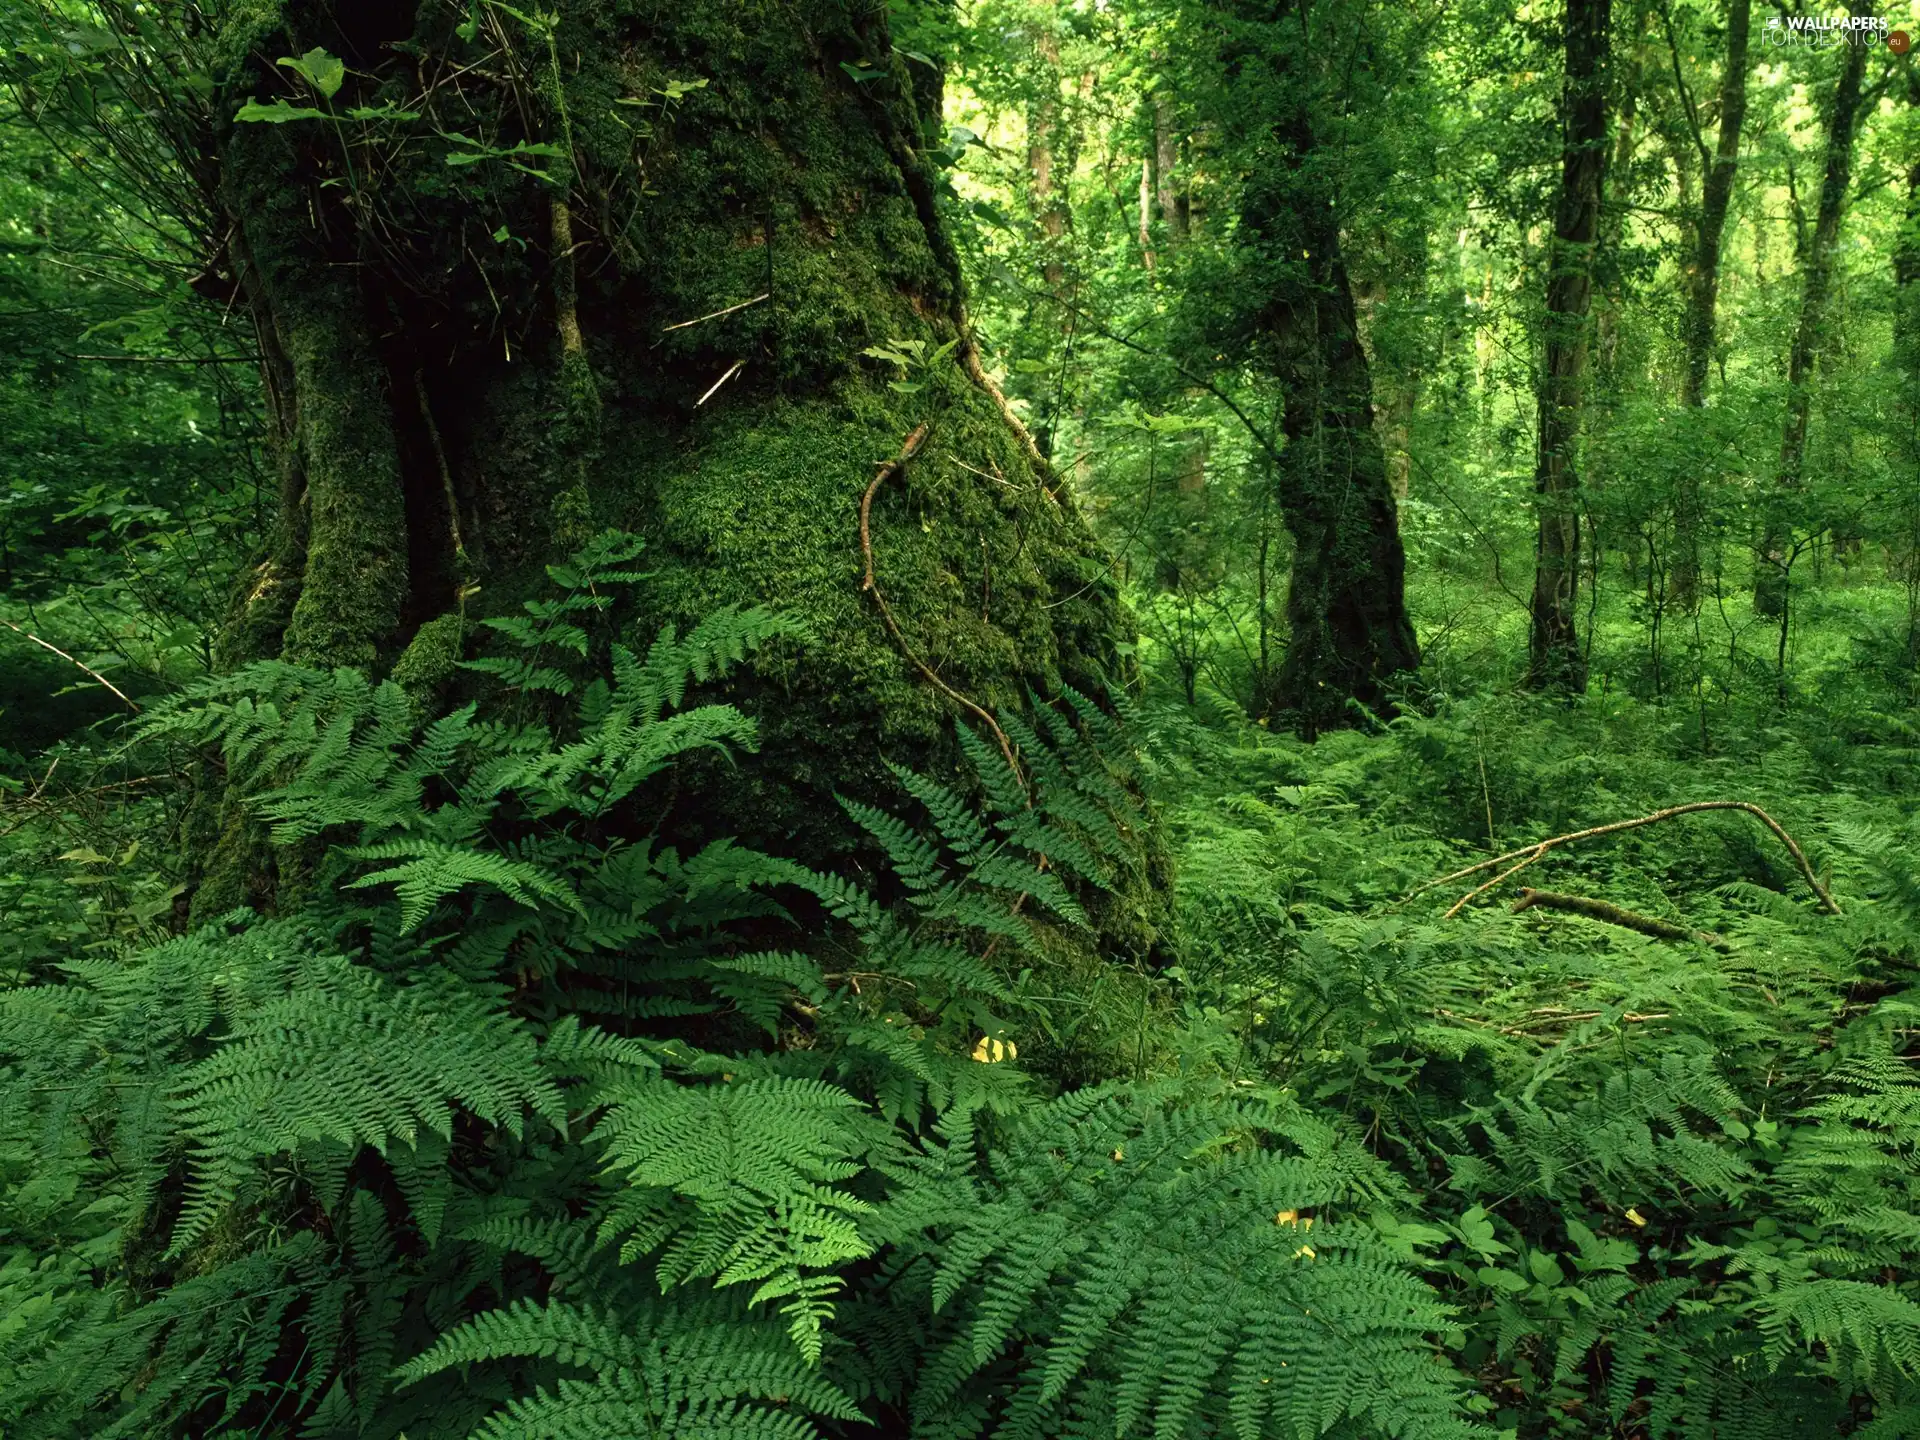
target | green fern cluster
[
  {"x": 1668, "y": 1188},
  {"x": 526, "y": 1122}
]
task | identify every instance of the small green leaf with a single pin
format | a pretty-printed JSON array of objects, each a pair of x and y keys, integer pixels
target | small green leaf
[
  {"x": 1501, "y": 1279},
  {"x": 278, "y": 113},
  {"x": 325, "y": 73},
  {"x": 861, "y": 73},
  {"x": 539, "y": 22},
  {"x": 990, "y": 214}
]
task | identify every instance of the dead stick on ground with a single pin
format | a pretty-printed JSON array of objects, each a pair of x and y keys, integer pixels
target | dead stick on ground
[
  {"x": 886, "y": 472},
  {"x": 1527, "y": 854},
  {"x": 715, "y": 315},
  {"x": 1612, "y": 914},
  {"x": 81, "y": 665}
]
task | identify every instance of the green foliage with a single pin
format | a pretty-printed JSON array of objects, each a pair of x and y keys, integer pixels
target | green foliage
[
  {"x": 517, "y": 1124},
  {"x": 1667, "y": 1187},
  {"x": 535, "y": 1109}
]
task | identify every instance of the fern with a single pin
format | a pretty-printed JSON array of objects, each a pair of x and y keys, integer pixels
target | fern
[{"x": 533, "y": 1123}]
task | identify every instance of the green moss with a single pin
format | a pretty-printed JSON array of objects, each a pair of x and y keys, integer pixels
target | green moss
[
  {"x": 339, "y": 419},
  {"x": 780, "y": 178},
  {"x": 430, "y": 659},
  {"x": 356, "y": 574}
]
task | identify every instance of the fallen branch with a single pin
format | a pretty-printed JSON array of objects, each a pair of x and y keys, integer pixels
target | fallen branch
[
  {"x": 1611, "y": 914},
  {"x": 1527, "y": 854},
  {"x": 77, "y": 664}
]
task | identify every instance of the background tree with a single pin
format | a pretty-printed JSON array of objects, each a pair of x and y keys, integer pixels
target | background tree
[
  {"x": 1718, "y": 169},
  {"x": 1555, "y": 658},
  {"x": 1285, "y": 293},
  {"x": 1778, "y": 552}
]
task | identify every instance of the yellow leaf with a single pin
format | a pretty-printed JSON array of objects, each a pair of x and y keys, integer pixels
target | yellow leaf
[{"x": 1636, "y": 1217}]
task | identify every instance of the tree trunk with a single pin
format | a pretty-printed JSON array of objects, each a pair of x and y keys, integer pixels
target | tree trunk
[
  {"x": 1146, "y": 212},
  {"x": 1043, "y": 124},
  {"x": 665, "y": 335},
  {"x": 1349, "y": 637},
  {"x": 1396, "y": 398},
  {"x": 1772, "y": 562},
  {"x": 1555, "y": 659},
  {"x": 1703, "y": 287},
  {"x": 1166, "y": 158}
]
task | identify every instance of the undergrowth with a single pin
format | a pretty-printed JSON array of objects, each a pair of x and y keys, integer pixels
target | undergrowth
[{"x": 523, "y": 1118}]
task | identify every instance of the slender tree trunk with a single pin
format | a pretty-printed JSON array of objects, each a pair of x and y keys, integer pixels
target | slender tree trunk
[
  {"x": 1146, "y": 212},
  {"x": 1555, "y": 659},
  {"x": 1771, "y": 563},
  {"x": 668, "y": 336},
  {"x": 1166, "y": 160},
  {"x": 1395, "y": 398},
  {"x": 1603, "y": 384},
  {"x": 1043, "y": 125},
  {"x": 1703, "y": 288}
]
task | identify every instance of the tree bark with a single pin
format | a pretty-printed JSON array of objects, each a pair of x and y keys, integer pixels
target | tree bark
[
  {"x": 1166, "y": 160},
  {"x": 1350, "y": 640},
  {"x": 1146, "y": 212},
  {"x": 1703, "y": 286},
  {"x": 1555, "y": 661},
  {"x": 1043, "y": 124},
  {"x": 526, "y": 390},
  {"x": 1774, "y": 556},
  {"x": 1349, "y": 637}
]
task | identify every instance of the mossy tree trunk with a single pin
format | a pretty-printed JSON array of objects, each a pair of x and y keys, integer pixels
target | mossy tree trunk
[
  {"x": 621, "y": 270},
  {"x": 1555, "y": 659},
  {"x": 1349, "y": 637}
]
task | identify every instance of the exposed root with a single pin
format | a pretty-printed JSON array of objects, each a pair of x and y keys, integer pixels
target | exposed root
[
  {"x": 566, "y": 304},
  {"x": 908, "y": 449},
  {"x": 970, "y": 362},
  {"x": 462, "y": 564}
]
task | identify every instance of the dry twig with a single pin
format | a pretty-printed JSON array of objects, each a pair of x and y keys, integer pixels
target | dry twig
[{"x": 78, "y": 664}]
